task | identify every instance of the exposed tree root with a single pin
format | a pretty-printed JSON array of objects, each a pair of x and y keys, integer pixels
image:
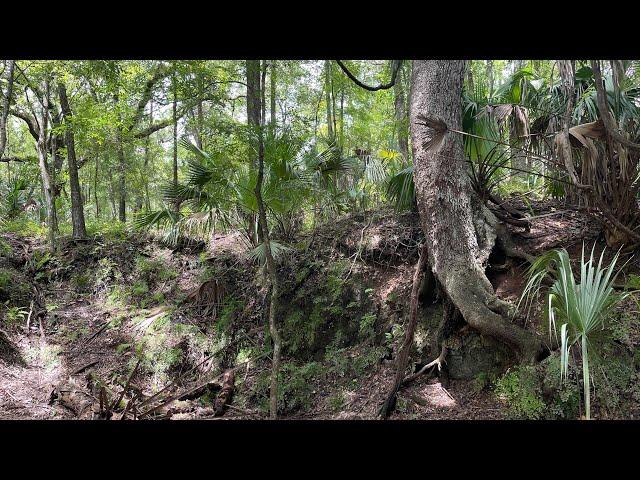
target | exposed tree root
[{"x": 437, "y": 362}]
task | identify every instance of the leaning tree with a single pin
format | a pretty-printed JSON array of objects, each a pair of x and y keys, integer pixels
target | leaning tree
[{"x": 460, "y": 232}]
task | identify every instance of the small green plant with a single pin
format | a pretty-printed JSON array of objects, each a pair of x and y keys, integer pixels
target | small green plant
[
  {"x": 580, "y": 308},
  {"x": 521, "y": 390},
  {"x": 123, "y": 347},
  {"x": 402, "y": 405},
  {"x": 367, "y": 325},
  {"x": 484, "y": 381},
  {"x": 109, "y": 230},
  {"x": 296, "y": 385},
  {"x": 151, "y": 269},
  {"x": 397, "y": 331},
  {"x": 5, "y": 279},
  {"x": 15, "y": 316},
  {"x": 5, "y": 248},
  {"x": 139, "y": 288},
  {"x": 80, "y": 281},
  {"x": 336, "y": 401}
]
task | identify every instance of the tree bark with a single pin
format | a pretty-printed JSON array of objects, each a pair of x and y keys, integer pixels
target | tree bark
[
  {"x": 6, "y": 104},
  {"x": 255, "y": 98},
  {"x": 175, "y": 132},
  {"x": 45, "y": 169},
  {"x": 254, "y": 107},
  {"x": 489, "y": 71},
  {"x": 327, "y": 87},
  {"x": 459, "y": 230},
  {"x": 272, "y": 79},
  {"x": 77, "y": 209},
  {"x": 122, "y": 186},
  {"x": 402, "y": 120}
]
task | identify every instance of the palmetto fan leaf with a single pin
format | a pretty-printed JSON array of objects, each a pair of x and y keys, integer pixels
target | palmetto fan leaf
[
  {"x": 374, "y": 170},
  {"x": 158, "y": 218},
  {"x": 579, "y": 307},
  {"x": 277, "y": 250},
  {"x": 401, "y": 189}
]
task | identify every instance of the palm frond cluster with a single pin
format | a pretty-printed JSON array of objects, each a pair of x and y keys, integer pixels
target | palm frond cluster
[{"x": 576, "y": 308}]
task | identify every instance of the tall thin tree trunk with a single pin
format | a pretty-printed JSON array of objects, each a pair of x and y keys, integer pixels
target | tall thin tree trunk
[
  {"x": 327, "y": 87},
  {"x": 147, "y": 155},
  {"x": 402, "y": 120},
  {"x": 175, "y": 132},
  {"x": 199, "y": 114},
  {"x": 256, "y": 96},
  {"x": 122, "y": 187},
  {"x": 470, "y": 84},
  {"x": 254, "y": 108},
  {"x": 45, "y": 169},
  {"x": 490, "y": 79},
  {"x": 77, "y": 210},
  {"x": 95, "y": 187},
  {"x": 342, "y": 116},
  {"x": 6, "y": 104},
  {"x": 272, "y": 79}
]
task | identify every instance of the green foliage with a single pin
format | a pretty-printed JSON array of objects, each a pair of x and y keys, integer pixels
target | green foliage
[
  {"x": 580, "y": 308},
  {"x": 348, "y": 364},
  {"x": 14, "y": 316},
  {"x": 522, "y": 393},
  {"x": 297, "y": 386},
  {"x": 278, "y": 250},
  {"x": 228, "y": 314},
  {"x": 25, "y": 227},
  {"x": 152, "y": 269},
  {"x": 336, "y": 401},
  {"x": 484, "y": 381},
  {"x": 5, "y": 280},
  {"x": 81, "y": 281},
  {"x": 367, "y": 326},
  {"x": 109, "y": 230},
  {"x": 5, "y": 248}
]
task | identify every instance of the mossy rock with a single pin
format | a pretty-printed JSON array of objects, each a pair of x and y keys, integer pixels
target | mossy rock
[{"x": 470, "y": 354}]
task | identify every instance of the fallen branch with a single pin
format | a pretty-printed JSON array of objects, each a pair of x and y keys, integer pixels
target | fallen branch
[
  {"x": 126, "y": 386},
  {"x": 403, "y": 356}
]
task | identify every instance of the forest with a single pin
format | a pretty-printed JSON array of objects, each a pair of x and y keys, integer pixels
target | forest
[{"x": 319, "y": 239}]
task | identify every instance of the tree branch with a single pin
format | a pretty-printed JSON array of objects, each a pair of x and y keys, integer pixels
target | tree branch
[
  {"x": 17, "y": 159},
  {"x": 31, "y": 122},
  {"x": 159, "y": 74},
  {"x": 395, "y": 68}
]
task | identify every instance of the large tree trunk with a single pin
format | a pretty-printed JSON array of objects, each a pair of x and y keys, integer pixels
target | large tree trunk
[
  {"x": 459, "y": 230},
  {"x": 77, "y": 211}
]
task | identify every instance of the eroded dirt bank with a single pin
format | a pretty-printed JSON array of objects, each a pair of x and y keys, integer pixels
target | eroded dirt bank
[{"x": 121, "y": 326}]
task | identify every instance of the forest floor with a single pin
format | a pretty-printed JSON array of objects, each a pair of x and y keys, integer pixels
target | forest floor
[{"x": 123, "y": 327}]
